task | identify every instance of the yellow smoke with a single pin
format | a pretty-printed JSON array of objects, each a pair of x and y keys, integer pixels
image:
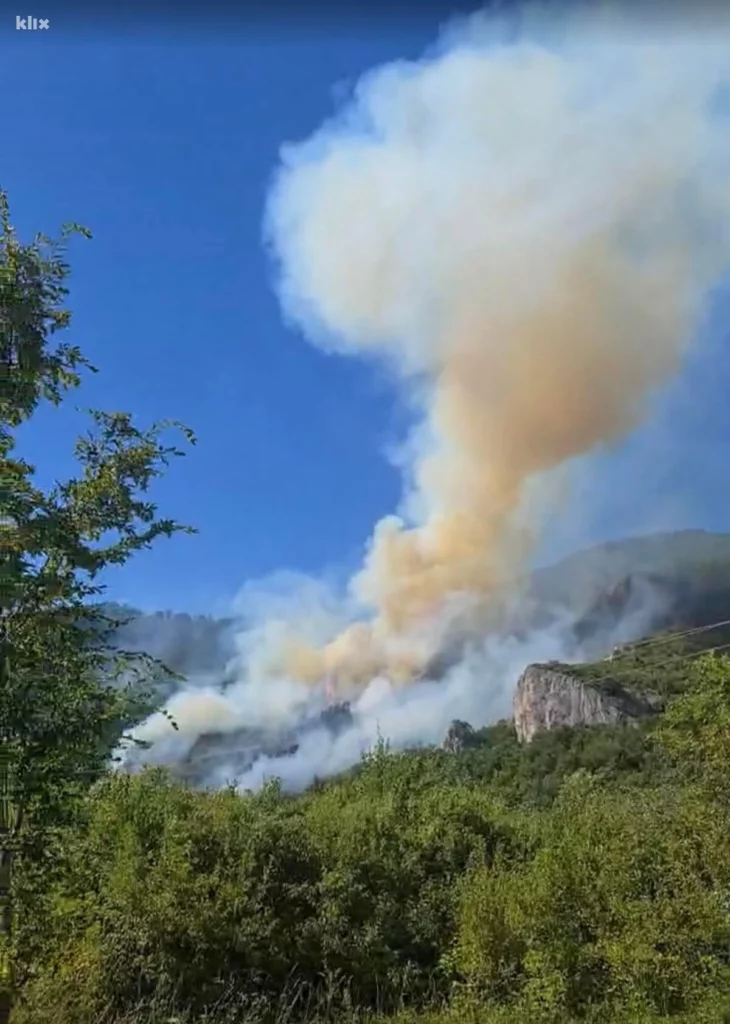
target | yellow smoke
[{"x": 529, "y": 234}]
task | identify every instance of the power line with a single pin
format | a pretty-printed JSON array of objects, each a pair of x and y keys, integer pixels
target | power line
[
  {"x": 643, "y": 670},
  {"x": 668, "y": 637}
]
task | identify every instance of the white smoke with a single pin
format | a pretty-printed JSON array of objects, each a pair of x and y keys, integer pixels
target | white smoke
[
  {"x": 478, "y": 689},
  {"x": 525, "y": 233}
]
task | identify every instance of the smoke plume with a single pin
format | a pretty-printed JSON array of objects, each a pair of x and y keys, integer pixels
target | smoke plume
[{"x": 526, "y": 234}]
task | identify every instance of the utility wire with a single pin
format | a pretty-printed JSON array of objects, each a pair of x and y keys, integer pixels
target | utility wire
[
  {"x": 668, "y": 637},
  {"x": 645, "y": 670}
]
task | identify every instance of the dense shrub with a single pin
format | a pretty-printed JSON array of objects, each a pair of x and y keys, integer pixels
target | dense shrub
[{"x": 585, "y": 877}]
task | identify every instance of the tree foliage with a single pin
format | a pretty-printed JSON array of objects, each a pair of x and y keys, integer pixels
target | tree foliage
[
  {"x": 423, "y": 886},
  {"x": 65, "y": 694}
]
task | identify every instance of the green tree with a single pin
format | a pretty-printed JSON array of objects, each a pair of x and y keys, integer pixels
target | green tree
[
  {"x": 695, "y": 729},
  {"x": 66, "y": 696},
  {"x": 622, "y": 911}
]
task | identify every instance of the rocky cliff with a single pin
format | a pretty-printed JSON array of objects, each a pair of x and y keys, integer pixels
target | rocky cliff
[{"x": 548, "y": 696}]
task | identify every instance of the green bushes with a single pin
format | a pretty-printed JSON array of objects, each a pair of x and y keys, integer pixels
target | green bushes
[
  {"x": 187, "y": 896},
  {"x": 623, "y": 907},
  {"x": 423, "y": 886},
  {"x": 189, "y": 892}
]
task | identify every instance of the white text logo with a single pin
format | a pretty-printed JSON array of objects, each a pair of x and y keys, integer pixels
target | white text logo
[{"x": 30, "y": 24}]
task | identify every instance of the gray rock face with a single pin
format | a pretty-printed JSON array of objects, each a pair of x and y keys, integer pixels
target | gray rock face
[{"x": 547, "y": 697}]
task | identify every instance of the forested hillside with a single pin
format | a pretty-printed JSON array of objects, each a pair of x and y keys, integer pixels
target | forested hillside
[{"x": 583, "y": 877}]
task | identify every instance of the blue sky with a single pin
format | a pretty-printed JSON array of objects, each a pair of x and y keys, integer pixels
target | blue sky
[{"x": 164, "y": 147}]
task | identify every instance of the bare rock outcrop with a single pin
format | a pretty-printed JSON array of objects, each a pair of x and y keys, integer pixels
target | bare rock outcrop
[{"x": 548, "y": 696}]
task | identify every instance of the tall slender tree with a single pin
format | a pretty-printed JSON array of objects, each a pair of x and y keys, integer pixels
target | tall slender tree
[{"x": 67, "y": 696}]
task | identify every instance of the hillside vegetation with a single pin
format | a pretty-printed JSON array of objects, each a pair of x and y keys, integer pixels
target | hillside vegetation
[
  {"x": 584, "y": 877},
  {"x": 658, "y": 663}
]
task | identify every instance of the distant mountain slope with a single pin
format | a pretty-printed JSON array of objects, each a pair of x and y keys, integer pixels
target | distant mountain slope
[
  {"x": 671, "y": 579},
  {"x": 613, "y": 594},
  {"x": 190, "y": 645},
  {"x": 695, "y": 556}
]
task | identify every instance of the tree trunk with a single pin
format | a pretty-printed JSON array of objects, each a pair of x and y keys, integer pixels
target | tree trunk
[
  {"x": 6, "y": 963},
  {"x": 7, "y": 823}
]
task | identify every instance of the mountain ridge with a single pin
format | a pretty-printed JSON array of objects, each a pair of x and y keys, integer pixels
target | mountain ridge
[
  {"x": 191, "y": 644},
  {"x": 671, "y": 584}
]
